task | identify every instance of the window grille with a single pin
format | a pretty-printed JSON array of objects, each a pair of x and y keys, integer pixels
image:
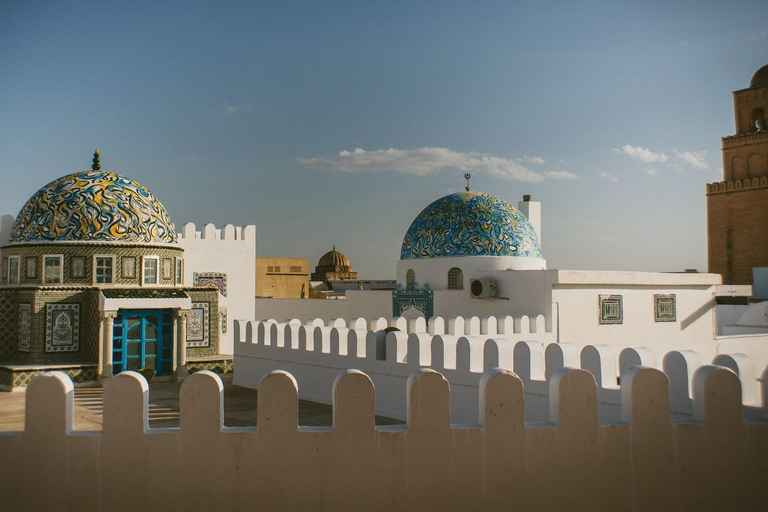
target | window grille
[
  {"x": 455, "y": 279},
  {"x": 665, "y": 308},
  {"x": 611, "y": 309}
]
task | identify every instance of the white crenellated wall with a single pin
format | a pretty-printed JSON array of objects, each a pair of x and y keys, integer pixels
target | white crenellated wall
[
  {"x": 715, "y": 461},
  {"x": 231, "y": 250},
  {"x": 568, "y": 300},
  {"x": 462, "y": 349},
  {"x": 368, "y": 304}
]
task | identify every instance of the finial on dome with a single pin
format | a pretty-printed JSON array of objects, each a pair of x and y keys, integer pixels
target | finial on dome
[
  {"x": 466, "y": 177},
  {"x": 96, "y": 164},
  {"x": 334, "y": 247}
]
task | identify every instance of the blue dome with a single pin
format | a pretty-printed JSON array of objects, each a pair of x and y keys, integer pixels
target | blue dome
[{"x": 470, "y": 224}]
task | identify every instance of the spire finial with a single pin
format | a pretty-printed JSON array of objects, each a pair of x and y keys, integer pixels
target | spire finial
[
  {"x": 96, "y": 164},
  {"x": 466, "y": 177},
  {"x": 334, "y": 247}
]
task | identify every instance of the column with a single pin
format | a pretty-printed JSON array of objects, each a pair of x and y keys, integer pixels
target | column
[
  {"x": 108, "y": 324},
  {"x": 181, "y": 344}
]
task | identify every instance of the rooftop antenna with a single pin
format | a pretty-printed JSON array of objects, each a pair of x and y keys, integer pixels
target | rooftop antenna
[
  {"x": 466, "y": 177},
  {"x": 96, "y": 165}
]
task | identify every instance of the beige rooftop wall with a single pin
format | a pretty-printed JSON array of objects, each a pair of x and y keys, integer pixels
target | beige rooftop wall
[{"x": 717, "y": 462}]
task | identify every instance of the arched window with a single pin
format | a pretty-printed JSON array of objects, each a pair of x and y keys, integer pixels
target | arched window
[
  {"x": 455, "y": 279},
  {"x": 410, "y": 277},
  {"x": 758, "y": 121}
]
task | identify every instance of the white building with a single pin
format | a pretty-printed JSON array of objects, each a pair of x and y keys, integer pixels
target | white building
[{"x": 471, "y": 267}]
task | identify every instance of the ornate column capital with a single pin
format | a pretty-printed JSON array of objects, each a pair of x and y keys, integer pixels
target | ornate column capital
[
  {"x": 108, "y": 314},
  {"x": 182, "y": 313}
]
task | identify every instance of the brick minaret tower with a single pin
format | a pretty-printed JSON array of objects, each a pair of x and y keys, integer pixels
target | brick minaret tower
[{"x": 737, "y": 208}]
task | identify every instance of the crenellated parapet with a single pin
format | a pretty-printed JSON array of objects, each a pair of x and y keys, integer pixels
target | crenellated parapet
[
  {"x": 743, "y": 138},
  {"x": 211, "y": 232},
  {"x": 723, "y": 187},
  {"x": 572, "y": 461},
  {"x": 461, "y": 349}
]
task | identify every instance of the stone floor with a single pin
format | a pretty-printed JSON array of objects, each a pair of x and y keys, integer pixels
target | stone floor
[{"x": 239, "y": 408}]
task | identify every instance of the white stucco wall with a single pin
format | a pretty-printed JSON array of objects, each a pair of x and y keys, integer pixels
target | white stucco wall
[
  {"x": 230, "y": 250},
  {"x": 577, "y": 297},
  {"x": 434, "y": 271},
  {"x": 518, "y": 293},
  {"x": 365, "y": 304}
]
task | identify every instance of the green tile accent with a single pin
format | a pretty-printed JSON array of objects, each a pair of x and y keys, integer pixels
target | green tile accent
[{"x": 224, "y": 365}]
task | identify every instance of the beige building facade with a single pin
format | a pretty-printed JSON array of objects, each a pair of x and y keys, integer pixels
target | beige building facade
[{"x": 282, "y": 278}]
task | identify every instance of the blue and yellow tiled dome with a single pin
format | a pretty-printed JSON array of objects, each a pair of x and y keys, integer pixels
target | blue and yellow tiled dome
[
  {"x": 93, "y": 205},
  {"x": 470, "y": 224}
]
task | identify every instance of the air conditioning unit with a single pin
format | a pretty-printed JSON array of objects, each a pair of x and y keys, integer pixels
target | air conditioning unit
[{"x": 482, "y": 288}]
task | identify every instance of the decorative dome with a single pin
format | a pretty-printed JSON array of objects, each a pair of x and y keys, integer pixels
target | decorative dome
[
  {"x": 470, "y": 224},
  {"x": 333, "y": 259},
  {"x": 760, "y": 77},
  {"x": 93, "y": 206}
]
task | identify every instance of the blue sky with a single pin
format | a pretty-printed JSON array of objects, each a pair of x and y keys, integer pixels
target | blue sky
[{"x": 336, "y": 123}]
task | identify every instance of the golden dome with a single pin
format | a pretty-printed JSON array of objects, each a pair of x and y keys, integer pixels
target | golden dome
[{"x": 333, "y": 258}]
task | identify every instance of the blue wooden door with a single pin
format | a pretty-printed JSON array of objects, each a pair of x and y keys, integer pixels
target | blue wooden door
[{"x": 143, "y": 339}]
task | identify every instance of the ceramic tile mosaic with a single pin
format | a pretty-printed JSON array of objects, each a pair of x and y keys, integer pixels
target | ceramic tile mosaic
[
  {"x": 78, "y": 256},
  {"x": 67, "y": 208},
  {"x": 209, "y": 296},
  {"x": 77, "y": 267},
  {"x": 611, "y": 309},
  {"x": 197, "y": 325},
  {"x": 214, "y": 365},
  {"x": 8, "y": 325},
  {"x": 470, "y": 224},
  {"x": 25, "y": 327},
  {"x": 128, "y": 266},
  {"x": 22, "y": 378},
  {"x": 665, "y": 308},
  {"x": 62, "y": 322},
  {"x": 30, "y": 268},
  {"x": 211, "y": 279},
  {"x": 167, "y": 265}
]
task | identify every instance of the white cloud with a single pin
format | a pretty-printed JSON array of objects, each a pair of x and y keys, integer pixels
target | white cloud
[
  {"x": 696, "y": 159},
  {"x": 651, "y": 171},
  {"x": 560, "y": 175},
  {"x": 531, "y": 159},
  {"x": 608, "y": 176},
  {"x": 230, "y": 110},
  {"x": 423, "y": 161},
  {"x": 642, "y": 154}
]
